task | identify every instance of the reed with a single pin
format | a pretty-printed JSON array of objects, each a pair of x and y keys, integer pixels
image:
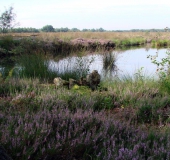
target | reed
[
  {"x": 109, "y": 60},
  {"x": 34, "y": 66},
  {"x": 39, "y": 66}
]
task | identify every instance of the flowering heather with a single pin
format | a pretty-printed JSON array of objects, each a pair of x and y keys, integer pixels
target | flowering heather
[
  {"x": 61, "y": 134},
  {"x": 40, "y": 122}
]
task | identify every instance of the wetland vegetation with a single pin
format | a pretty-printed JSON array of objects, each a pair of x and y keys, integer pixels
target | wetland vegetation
[{"x": 37, "y": 121}]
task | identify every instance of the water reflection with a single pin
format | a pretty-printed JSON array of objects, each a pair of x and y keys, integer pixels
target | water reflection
[
  {"x": 116, "y": 63},
  {"x": 130, "y": 61},
  {"x": 6, "y": 64},
  {"x": 127, "y": 62}
]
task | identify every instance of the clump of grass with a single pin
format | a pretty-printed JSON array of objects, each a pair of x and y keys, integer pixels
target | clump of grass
[
  {"x": 160, "y": 43},
  {"x": 39, "y": 66},
  {"x": 6, "y": 42},
  {"x": 11, "y": 86},
  {"x": 109, "y": 60},
  {"x": 75, "y": 68},
  {"x": 34, "y": 66},
  {"x": 135, "y": 41}
]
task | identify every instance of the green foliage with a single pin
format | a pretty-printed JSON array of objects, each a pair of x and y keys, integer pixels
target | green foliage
[
  {"x": 103, "y": 102},
  {"x": 25, "y": 30},
  {"x": 61, "y": 29},
  {"x": 7, "y": 20},
  {"x": 129, "y": 42},
  {"x": 6, "y": 42},
  {"x": 109, "y": 60},
  {"x": 34, "y": 66},
  {"x": 145, "y": 114},
  {"x": 163, "y": 69},
  {"x": 10, "y": 46},
  {"x": 48, "y": 28},
  {"x": 76, "y": 70},
  {"x": 16, "y": 85},
  {"x": 82, "y": 66},
  {"x": 74, "y": 30},
  {"x": 160, "y": 43}
]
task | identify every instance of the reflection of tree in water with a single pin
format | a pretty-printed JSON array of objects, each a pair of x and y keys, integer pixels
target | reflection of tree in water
[
  {"x": 109, "y": 64},
  {"x": 6, "y": 65}
]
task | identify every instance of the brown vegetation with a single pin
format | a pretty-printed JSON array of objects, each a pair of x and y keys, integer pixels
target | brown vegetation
[{"x": 67, "y": 36}]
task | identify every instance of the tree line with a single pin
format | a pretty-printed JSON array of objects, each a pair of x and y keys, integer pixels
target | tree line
[
  {"x": 50, "y": 28},
  {"x": 8, "y": 24}
]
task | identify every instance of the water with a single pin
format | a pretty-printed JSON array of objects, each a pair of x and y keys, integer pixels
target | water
[
  {"x": 131, "y": 61},
  {"x": 128, "y": 62}
]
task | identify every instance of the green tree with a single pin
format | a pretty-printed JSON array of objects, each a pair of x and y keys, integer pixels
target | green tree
[
  {"x": 100, "y": 30},
  {"x": 75, "y": 30},
  {"x": 85, "y": 30},
  {"x": 62, "y": 29},
  {"x": 48, "y": 28},
  {"x": 92, "y": 30},
  {"x": 7, "y": 20}
]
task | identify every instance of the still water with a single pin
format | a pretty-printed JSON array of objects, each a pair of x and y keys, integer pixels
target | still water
[{"x": 128, "y": 62}]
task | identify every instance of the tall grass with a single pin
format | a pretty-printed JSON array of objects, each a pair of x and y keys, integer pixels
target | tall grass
[
  {"x": 109, "y": 60},
  {"x": 161, "y": 43},
  {"x": 73, "y": 67},
  {"x": 34, "y": 66},
  {"x": 60, "y": 43},
  {"x": 99, "y": 35},
  {"x": 39, "y": 66}
]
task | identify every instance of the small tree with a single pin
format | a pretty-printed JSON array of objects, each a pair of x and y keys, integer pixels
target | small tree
[
  {"x": 48, "y": 28},
  {"x": 7, "y": 20},
  {"x": 75, "y": 30}
]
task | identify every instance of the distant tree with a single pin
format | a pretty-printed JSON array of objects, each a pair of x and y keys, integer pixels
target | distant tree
[
  {"x": 85, "y": 30},
  {"x": 48, "y": 28},
  {"x": 74, "y": 30},
  {"x": 100, "y": 30},
  {"x": 92, "y": 30},
  {"x": 7, "y": 20},
  {"x": 25, "y": 30},
  {"x": 61, "y": 29}
]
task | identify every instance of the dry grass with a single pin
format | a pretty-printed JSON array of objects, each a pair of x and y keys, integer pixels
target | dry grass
[{"x": 96, "y": 35}]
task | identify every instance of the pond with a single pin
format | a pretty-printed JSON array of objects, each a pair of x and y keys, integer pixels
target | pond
[{"x": 127, "y": 62}]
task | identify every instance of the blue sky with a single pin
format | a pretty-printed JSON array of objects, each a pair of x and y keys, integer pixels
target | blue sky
[{"x": 108, "y": 14}]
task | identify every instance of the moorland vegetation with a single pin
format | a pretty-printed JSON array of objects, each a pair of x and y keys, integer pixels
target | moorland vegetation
[{"x": 129, "y": 120}]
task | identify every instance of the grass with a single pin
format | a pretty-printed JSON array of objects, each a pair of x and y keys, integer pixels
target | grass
[
  {"x": 39, "y": 121},
  {"x": 161, "y": 43},
  {"x": 109, "y": 60},
  {"x": 97, "y": 35},
  {"x": 40, "y": 66},
  {"x": 59, "y": 44}
]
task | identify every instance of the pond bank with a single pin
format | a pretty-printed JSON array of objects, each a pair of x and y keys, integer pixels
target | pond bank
[{"x": 10, "y": 45}]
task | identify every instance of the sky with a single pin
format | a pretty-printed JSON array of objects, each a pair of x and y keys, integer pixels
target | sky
[{"x": 107, "y": 14}]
